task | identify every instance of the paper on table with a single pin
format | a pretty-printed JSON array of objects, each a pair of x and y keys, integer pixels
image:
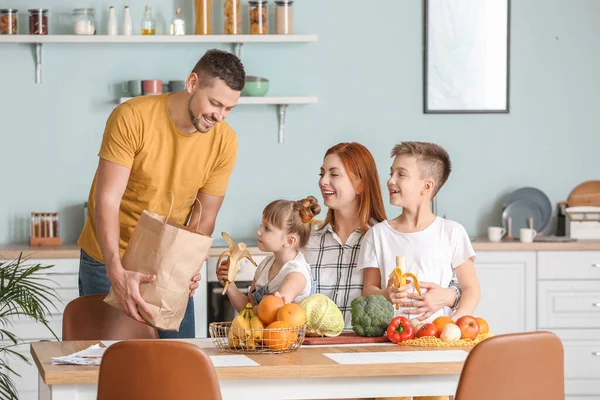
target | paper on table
[
  {"x": 90, "y": 356},
  {"x": 237, "y": 360},
  {"x": 398, "y": 357}
]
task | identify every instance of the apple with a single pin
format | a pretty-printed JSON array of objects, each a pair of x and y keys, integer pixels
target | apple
[{"x": 469, "y": 327}]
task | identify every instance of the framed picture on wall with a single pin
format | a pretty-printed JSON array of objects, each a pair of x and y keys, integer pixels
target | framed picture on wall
[{"x": 466, "y": 49}]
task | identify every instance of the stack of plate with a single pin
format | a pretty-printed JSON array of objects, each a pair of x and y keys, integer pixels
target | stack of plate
[{"x": 523, "y": 204}]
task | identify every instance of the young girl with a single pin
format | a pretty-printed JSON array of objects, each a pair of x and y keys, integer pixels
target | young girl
[{"x": 285, "y": 228}]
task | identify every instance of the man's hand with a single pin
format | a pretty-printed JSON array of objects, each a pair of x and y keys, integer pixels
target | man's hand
[
  {"x": 194, "y": 285},
  {"x": 435, "y": 298},
  {"x": 126, "y": 285}
]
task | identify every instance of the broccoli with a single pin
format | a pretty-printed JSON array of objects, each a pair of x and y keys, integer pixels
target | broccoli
[{"x": 371, "y": 315}]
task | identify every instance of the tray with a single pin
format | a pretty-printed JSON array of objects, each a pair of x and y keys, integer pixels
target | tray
[{"x": 344, "y": 338}]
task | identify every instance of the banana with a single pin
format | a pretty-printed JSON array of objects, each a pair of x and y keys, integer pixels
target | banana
[
  {"x": 400, "y": 278},
  {"x": 232, "y": 340},
  {"x": 241, "y": 327},
  {"x": 257, "y": 329},
  {"x": 235, "y": 255}
]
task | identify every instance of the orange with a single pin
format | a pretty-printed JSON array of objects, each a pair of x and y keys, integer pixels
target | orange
[
  {"x": 483, "y": 325},
  {"x": 268, "y": 307},
  {"x": 279, "y": 336},
  {"x": 292, "y": 314},
  {"x": 441, "y": 322}
]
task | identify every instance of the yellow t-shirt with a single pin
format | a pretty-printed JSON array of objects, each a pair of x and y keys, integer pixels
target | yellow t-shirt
[{"x": 141, "y": 136}]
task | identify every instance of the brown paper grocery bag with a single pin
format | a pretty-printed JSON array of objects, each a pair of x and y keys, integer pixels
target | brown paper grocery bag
[{"x": 162, "y": 247}]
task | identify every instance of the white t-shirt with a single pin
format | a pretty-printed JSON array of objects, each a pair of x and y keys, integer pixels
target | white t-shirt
[
  {"x": 298, "y": 264},
  {"x": 431, "y": 254}
]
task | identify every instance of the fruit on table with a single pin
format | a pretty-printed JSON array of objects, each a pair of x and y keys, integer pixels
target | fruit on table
[
  {"x": 235, "y": 255},
  {"x": 483, "y": 325},
  {"x": 400, "y": 330},
  {"x": 400, "y": 277},
  {"x": 469, "y": 327},
  {"x": 371, "y": 315},
  {"x": 292, "y": 314},
  {"x": 323, "y": 317},
  {"x": 450, "y": 333},
  {"x": 246, "y": 330},
  {"x": 279, "y": 336},
  {"x": 268, "y": 307},
  {"x": 428, "y": 330},
  {"x": 441, "y": 322},
  {"x": 241, "y": 326}
]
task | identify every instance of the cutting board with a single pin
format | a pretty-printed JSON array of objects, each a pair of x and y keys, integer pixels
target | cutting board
[
  {"x": 585, "y": 194},
  {"x": 344, "y": 338}
]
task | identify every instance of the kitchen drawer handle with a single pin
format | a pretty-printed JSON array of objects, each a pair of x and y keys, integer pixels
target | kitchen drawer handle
[
  {"x": 596, "y": 353},
  {"x": 60, "y": 273}
]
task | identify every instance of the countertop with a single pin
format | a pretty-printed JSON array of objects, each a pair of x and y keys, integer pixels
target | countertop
[{"x": 12, "y": 251}]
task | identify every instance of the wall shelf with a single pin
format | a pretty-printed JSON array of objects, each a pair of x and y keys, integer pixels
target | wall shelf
[
  {"x": 281, "y": 103},
  {"x": 236, "y": 40}
]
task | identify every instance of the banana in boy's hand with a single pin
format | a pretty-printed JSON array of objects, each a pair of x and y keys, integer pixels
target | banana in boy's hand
[{"x": 399, "y": 278}]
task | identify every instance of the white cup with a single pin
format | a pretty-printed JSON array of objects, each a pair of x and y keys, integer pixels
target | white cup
[
  {"x": 527, "y": 235},
  {"x": 495, "y": 233}
]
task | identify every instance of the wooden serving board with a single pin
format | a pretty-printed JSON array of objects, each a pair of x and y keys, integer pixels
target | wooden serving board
[
  {"x": 585, "y": 194},
  {"x": 344, "y": 338}
]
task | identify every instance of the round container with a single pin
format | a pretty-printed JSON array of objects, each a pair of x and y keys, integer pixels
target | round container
[
  {"x": 232, "y": 11},
  {"x": 38, "y": 21},
  {"x": 84, "y": 21},
  {"x": 9, "y": 21},
  {"x": 259, "y": 17},
  {"x": 284, "y": 17}
]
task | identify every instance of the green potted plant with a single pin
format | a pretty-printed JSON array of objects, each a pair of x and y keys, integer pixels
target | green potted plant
[{"x": 24, "y": 292}]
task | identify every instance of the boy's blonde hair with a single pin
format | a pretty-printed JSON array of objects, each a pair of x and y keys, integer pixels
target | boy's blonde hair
[
  {"x": 432, "y": 160},
  {"x": 294, "y": 217}
]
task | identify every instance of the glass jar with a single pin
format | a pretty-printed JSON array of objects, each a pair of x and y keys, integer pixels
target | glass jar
[
  {"x": 259, "y": 17},
  {"x": 284, "y": 17},
  {"x": 203, "y": 17},
  {"x": 84, "y": 21},
  {"x": 38, "y": 21},
  {"x": 233, "y": 17},
  {"x": 9, "y": 21}
]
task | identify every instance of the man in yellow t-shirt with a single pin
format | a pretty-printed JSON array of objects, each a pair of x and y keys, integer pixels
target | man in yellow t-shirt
[{"x": 152, "y": 145}]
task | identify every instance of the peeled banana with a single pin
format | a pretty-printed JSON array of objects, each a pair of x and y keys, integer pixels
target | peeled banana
[
  {"x": 235, "y": 254},
  {"x": 400, "y": 278}
]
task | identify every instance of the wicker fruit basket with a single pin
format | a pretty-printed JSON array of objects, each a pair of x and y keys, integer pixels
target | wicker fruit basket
[
  {"x": 273, "y": 341},
  {"x": 432, "y": 341}
]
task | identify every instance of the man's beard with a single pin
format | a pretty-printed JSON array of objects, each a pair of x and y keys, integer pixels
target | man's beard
[{"x": 193, "y": 119}]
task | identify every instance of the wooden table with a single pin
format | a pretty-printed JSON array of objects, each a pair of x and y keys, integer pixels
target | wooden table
[{"x": 303, "y": 374}]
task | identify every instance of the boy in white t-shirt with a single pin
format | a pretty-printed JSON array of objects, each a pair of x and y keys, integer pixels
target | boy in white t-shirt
[{"x": 433, "y": 247}]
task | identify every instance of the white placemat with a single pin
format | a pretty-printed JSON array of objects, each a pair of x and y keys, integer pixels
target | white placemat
[
  {"x": 398, "y": 357},
  {"x": 235, "y": 360}
]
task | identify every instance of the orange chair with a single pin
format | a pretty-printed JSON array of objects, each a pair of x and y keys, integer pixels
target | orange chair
[
  {"x": 520, "y": 366},
  {"x": 156, "y": 369},
  {"x": 90, "y": 318}
]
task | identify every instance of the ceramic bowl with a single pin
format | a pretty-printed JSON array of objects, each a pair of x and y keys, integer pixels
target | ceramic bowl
[{"x": 255, "y": 86}]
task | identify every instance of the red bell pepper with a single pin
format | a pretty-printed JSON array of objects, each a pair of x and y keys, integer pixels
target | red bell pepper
[{"x": 400, "y": 330}]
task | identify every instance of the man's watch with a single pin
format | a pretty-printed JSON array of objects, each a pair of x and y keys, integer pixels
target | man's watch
[{"x": 454, "y": 285}]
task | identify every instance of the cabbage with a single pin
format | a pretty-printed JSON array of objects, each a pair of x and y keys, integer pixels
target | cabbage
[{"x": 323, "y": 317}]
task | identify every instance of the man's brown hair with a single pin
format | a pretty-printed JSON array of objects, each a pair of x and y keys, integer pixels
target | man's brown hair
[
  {"x": 223, "y": 65},
  {"x": 432, "y": 159}
]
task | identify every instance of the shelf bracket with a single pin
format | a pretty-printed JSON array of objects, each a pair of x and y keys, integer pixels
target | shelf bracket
[
  {"x": 38, "y": 63},
  {"x": 282, "y": 112},
  {"x": 237, "y": 50}
]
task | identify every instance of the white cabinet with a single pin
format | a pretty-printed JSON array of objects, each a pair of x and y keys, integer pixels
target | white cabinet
[
  {"x": 508, "y": 287},
  {"x": 569, "y": 305}
]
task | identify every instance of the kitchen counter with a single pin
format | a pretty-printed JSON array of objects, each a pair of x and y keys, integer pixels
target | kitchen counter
[{"x": 12, "y": 251}]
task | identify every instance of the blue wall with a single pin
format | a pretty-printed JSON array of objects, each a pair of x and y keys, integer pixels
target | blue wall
[{"x": 366, "y": 69}]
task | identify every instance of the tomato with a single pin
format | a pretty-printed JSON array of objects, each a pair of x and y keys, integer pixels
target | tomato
[
  {"x": 428, "y": 330},
  {"x": 400, "y": 330}
]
